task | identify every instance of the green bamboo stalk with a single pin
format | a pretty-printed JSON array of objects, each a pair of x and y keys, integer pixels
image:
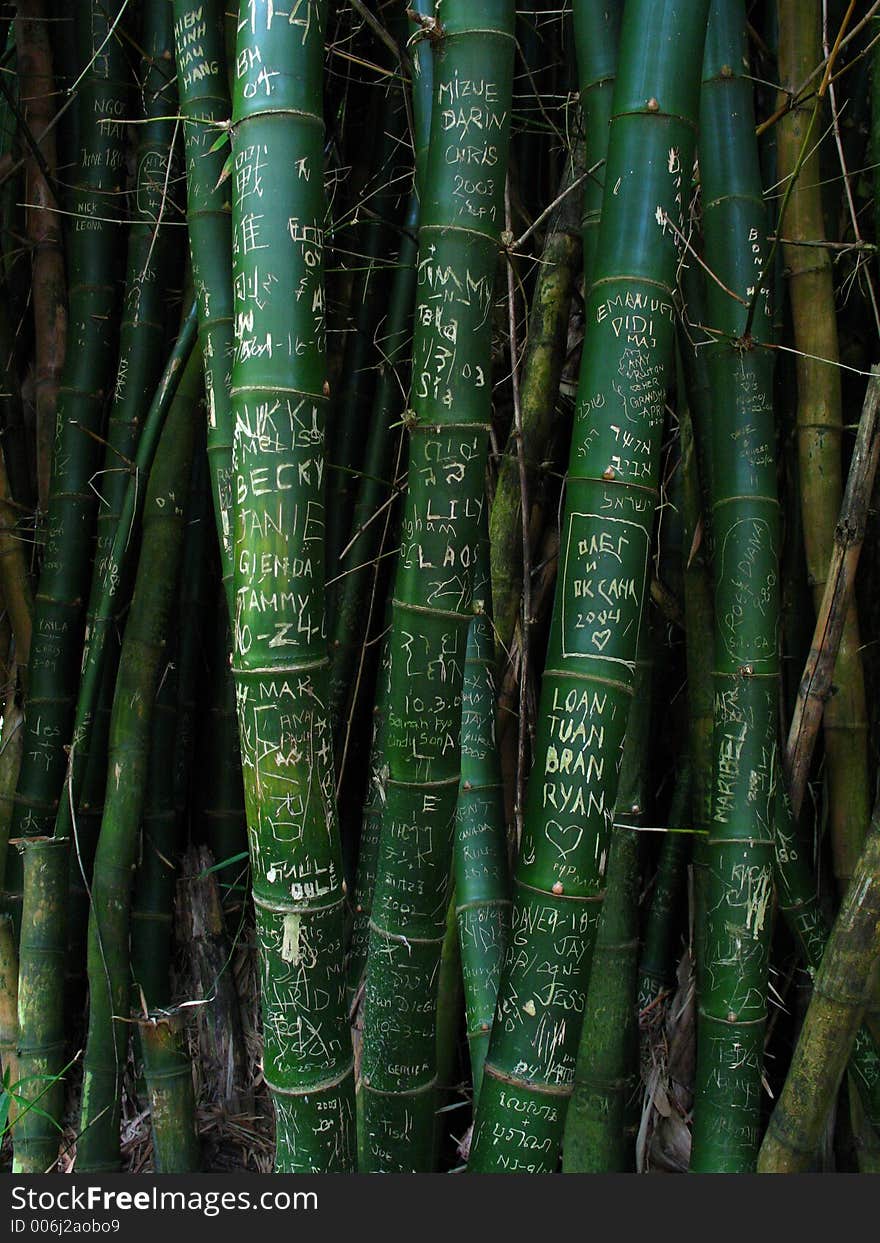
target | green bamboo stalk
[
  {"x": 169, "y": 764},
  {"x": 202, "y": 930},
  {"x": 194, "y": 583},
  {"x": 220, "y": 818},
  {"x": 800, "y": 907},
  {"x": 450, "y": 1009},
  {"x": 42, "y": 1034},
  {"x": 9, "y": 1008},
  {"x": 596, "y": 37},
  {"x": 459, "y": 232},
  {"x": 605, "y": 539},
  {"x": 46, "y": 1013},
  {"x": 15, "y": 448},
  {"x": 657, "y": 961},
  {"x": 422, "y": 12},
  {"x": 350, "y": 616},
  {"x": 153, "y": 263},
  {"x": 168, "y": 1072},
  {"x": 481, "y": 869},
  {"x": 370, "y": 292},
  {"x": 844, "y": 983},
  {"x": 699, "y": 629},
  {"x": 819, "y": 422},
  {"x": 66, "y": 68},
  {"x": 48, "y": 292},
  {"x": 11, "y": 746},
  {"x": 15, "y": 583},
  {"x": 745, "y": 530},
  {"x": 371, "y": 823},
  {"x": 154, "y": 880},
  {"x": 77, "y": 791},
  {"x": 140, "y": 665},
  {"x": 541, "y": 372},
  {"x": 571, "y": 238},
  {"x": 599, "y": 1131},
  {"x": 93, "y": 270},
  {"x": 280, "y": 393},
  {"x": 200, "y": 50}
]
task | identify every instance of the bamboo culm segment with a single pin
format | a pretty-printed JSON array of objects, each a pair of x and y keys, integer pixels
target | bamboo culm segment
[
  {"x": 140, "y": 666},
  {"x": 279, "y": 396},
  {"x": 168, "y": 1072},
  {"x": 151, "y": 269},
  {"x": 41, "y": 1030},
  {"x": 541, "y": 372},
  {"x": 351, "y": 614},
  {"x": 48, "y": 291},
  {"x": 600, "y": 1124},
  {"x": 596, "y": 39},
  {"x": 657, "y": 962},
  {"x": 799, "y": 904},
  {"x": 611, "y": 494},
  {"x": 571, "y": 239},
  {"x": 45, "y": 1017},
  {"x": 811, "y": 293},
  {"x": 371, "y": 824},
  {"x": 200, "y": 49},
  {"x": 93, "y": 274},
  {"x": 153, "y": 265},
  {"x": 451, "y": 411},
  {"x": 745, "y": 531},
  {"x": 844, "y": 984},
  {"x": 481, "y": 869}
]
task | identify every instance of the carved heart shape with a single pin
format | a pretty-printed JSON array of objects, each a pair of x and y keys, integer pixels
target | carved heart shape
[
  {"x": 564, "y": 839},
  {"x": 600, "y": 639}
]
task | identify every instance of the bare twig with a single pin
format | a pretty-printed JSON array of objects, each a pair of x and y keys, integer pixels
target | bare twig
[
  {"x": 526, "y": 548},
  {"x": 849, "y": 534}
]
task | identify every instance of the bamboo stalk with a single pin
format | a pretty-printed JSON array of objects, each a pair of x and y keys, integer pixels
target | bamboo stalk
[
  {"x": 481, "y": 869},
  {"x": 140, "y": 665},
  {"x": 94, "y": 255},
  {"x": 9, "y": 1068},
  {"x": 745, "y": 531},
  {"x": 541, "y": 372},
  {"x": 609, "y": 509},
  {"x": 819, "y": 419},
  {"x": 18, "y": 599},
  {"x": 657, "y": 961},
  {"x": 152, "y": 263},
  {"x": 799, "y": 905},
  {"x": 280, "y": 396},
  {"x": 48, "y": 290},
  {"x": 41, "y": 1029},
  {"x": 599, "y": 1126},
  {"x": 200, "y": 51},
  {"x": 843, "y": 984},
  {"x": 459, "y": 236},
  {"x": 168, "y": 1072},
  {"x": 849, "y": 534}
]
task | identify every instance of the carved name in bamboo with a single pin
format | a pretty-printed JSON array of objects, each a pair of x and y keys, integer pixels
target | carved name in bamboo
[
  {"x": 473, "y": 123},
  {"x": 193, "y": 65},
  {"x": 604, "y": 568}
]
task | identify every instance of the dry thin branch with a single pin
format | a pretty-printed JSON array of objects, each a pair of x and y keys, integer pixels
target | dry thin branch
[{"x": 849, "y": 534}]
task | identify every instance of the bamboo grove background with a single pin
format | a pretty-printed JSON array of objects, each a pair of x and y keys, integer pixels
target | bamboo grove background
[{"x": 438, "y": 586}]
